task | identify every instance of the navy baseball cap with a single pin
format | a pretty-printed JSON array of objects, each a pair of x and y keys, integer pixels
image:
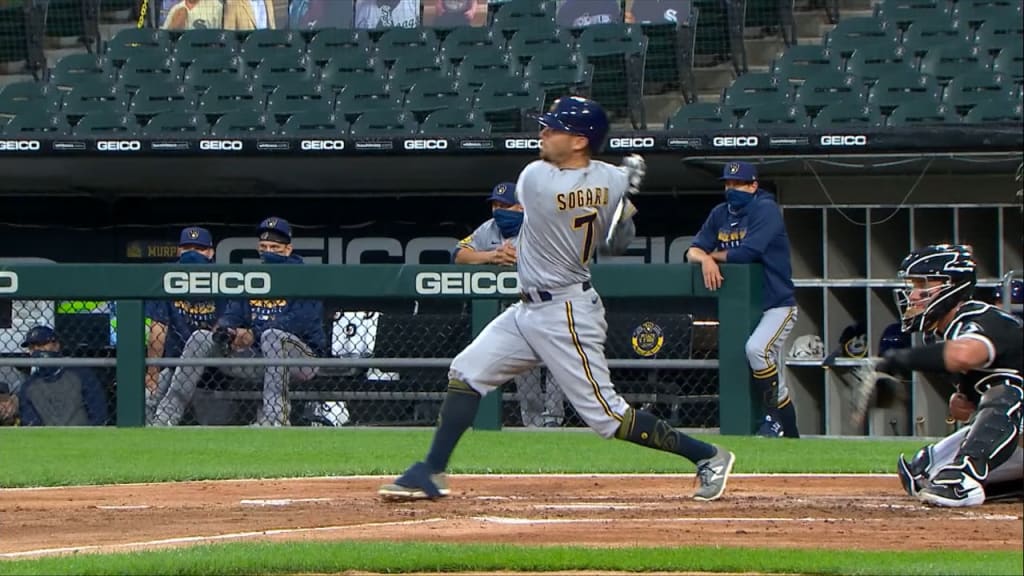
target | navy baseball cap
[
  {"x": 196, "y": 236},
  {"x": 275, "y": 229},
  {"x": 504, "y": 192},
  {"x": 853, "y": 343},
  {"x": 39, "y": 335},
  {"x": 739, "y": 171}
]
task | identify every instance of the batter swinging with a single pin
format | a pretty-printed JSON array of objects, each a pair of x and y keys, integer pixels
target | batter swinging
[{"x": 570, "y": 204}]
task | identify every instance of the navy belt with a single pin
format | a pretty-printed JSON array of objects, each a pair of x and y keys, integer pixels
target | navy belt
[{"x": 546, "y": 296}]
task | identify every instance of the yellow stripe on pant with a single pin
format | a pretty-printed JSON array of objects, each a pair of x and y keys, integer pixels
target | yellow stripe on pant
[{"x": 586, "y": 363}]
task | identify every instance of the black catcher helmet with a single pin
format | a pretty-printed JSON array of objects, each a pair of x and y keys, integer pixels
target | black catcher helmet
[{"x": 937, "y": 279}]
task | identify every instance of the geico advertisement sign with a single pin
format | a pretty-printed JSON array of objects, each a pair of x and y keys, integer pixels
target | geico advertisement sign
[
  {"x": 844, "y": 140},
  {"x": 734, "y": 141},
  {"x": 228, "y": 145},
  {"x": 217, "y": 283},
  {"x": 467, "y": 283},
  {"x": 522, "y": 143},
  {"x": 322, "y": 145},
  {"x": 436, "y": 144},
  {"x": 119, "y": 145},
  {"x": 620, "y": 143},
  {"x": 20, "y": 145},
  {"x": 8, "y": 282}
]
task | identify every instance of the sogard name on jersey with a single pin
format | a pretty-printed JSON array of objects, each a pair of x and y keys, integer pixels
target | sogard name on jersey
[
  {"x": 217, "y": 283},
  {"x": 426, "y": 249},
  {"x": 467, "y": 283},
  {"x": 582, "y": 198}
]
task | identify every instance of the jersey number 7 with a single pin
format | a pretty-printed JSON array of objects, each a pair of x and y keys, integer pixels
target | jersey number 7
[{"x": 586, "y": 221}]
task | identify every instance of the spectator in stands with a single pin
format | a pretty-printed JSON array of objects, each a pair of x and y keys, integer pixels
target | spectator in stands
[
  {"x": 453, "y": 13},
  {"x": 58, "y": 396},
  {"x": 8, "y": 406},
  {"x": 192, "y": 14},
  {"x": 387, "y": 13},
  {"x": 583, "y": 13},
  {"x": 250, "y": 14},
  {"x": 175, "y": 326},
  {"x": 657, "y": 11},
  {"x": 493, "y": 242},
  {"x": 316, "y": 14}
]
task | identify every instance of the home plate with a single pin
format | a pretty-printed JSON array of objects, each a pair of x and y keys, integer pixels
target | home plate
[
  {"x": 126, "y": 507},
  {"x": 281, "y": 501}
]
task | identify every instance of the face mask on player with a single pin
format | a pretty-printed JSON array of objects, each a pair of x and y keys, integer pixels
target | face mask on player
[
  {"x": 45, "y": 371},
  {"x": 737, "y": 199},
  {"x": 193, "y": 257},
  {"x": 508, "y": 221},
  {"x": 273, "y": 258}
]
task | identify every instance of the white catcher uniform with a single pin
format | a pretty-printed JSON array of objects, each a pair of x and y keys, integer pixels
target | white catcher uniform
[{"x": 560, "y": 321}]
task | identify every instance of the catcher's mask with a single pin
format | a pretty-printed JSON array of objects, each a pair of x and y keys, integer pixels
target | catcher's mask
[{"x": 937, "y": 278}]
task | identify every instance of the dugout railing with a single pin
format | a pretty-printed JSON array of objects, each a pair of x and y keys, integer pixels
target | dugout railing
[{"x": 485, "y": 288}]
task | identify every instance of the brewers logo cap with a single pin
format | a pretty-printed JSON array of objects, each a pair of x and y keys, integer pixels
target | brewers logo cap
[
  {"x": 739, "y": 171},
  {"x": 196, "y": 236},
  {"x": 504, "y": 192},
  {"x": 275, "y": 229}
]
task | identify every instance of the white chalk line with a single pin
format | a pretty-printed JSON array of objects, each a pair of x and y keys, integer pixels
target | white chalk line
[
  {"x": 281, "y": 501},
  {"x": 124, "y": 507},
  {"x": 705, "y": 520}
]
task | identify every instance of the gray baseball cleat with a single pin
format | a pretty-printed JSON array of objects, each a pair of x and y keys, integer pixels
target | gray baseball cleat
[
  {"x": 418, "y": 483},
  {"x": 713, "y": 475}
]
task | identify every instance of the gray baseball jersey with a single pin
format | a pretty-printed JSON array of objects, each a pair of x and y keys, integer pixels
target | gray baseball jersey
[
  {"x": 561, "y": 321},
  {"x": 487, "y": 236}
]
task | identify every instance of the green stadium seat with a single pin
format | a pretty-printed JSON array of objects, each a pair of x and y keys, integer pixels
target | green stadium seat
[
  {"x": 142, "y": 69},
  {"x": 612, "y": 40},
  {"x": 874, "y": 61},
  {"x": 283, "y": 68},
  {"x": 106, "y": 125},
  {"x": 455, "y": 122},
  {"x": 829, "y": 88},
  {"x": 970, "y": 89},
  {"x": 994, "y": 111},
  {"x": 131, "y": 41},
  {"x": 333, "y": 42},
  {"x": 155, "y": 98},
  {"x": 176, "y": 124},
  {"x": 924, "y": 35},
  {"x": 230, "y": 94},
  {"x": 523, "y": 15},
  {"x": 851, "y": 33},
  {"x": 926, "y": 113},
  {"x": 1011, "y": 63},
  {"x": 755, "y": 90},
  {"x": 851, "y": 114},
  {"x": 975, "y": 13},
  {"x": 37, "y": 124},
  {"x": 504, "y": 101},
  {"x": 355, "y": 66},
  {"x": 384, "y": 122},
  {"x": 299, "y": 96},
  {"x": 88, "y": 98},
  {"x": 995, "y": 36},
  {"x": 193, "y": 44},
  {"x": 892, "y": 91},
  {"x": 315, "y": 124},
  {"x": 19, "y": 97},
  {"x": 398, "y": 42},
  {"x": 529, "y": 42},
  {"x": 702, "y": 116},
  {"x": 242, "y": 123},
  {"x": 263, "y": 44},
  {"x": 482, "y": 66},
  {"x": 431, "y": 94},
  {"x": 364, "y": 95},
  {"x": 946, "y": 62},
  {"x": 410, "y": 69},
  {"x": 803, "y": 62},
  {"x": 559, "y": 72},
  {"x": 75, "y": 69},
  {"x": 465, "y": 40},
  {"x": 213, "y": 67},
  {"x": 906, "y": 16},
  {"x": 773, "y": 116}
]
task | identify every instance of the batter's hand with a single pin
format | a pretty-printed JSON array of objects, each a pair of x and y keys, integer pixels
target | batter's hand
[
  {"x": 960, "y": 407},
  {"x": 635, "y": 168},
  {"x": 712, "y": 275}
]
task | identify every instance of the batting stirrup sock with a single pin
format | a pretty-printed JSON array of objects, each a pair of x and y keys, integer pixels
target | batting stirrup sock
[
  {"x": 786, "y": 415},
  {"x": 457, "y": 414},
  {"x": 646, "y": 429}
]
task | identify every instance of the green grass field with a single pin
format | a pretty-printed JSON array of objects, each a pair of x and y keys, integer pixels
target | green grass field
[{"x": 55, "y": 457}]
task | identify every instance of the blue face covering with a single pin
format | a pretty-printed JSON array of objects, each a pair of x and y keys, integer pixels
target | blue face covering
[
  {"x": 193, "y": 257},
  {"x": 508, "y": 221},
  {"x": 737, "y": 199},
  {"x": 273, "y": 258}
]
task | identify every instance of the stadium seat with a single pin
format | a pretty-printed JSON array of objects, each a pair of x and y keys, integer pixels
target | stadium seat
[
  {"x": 37, "y": 124},
  {"x": 398, "y": 42},
  {"x": 803, "y": 62},
  {"x": 994, "y": 111},
  {"x": 530, "y": 42},
  {"x": 951, "y": 60},
  {"x": 364, "y": 95},
  {"x": 333, "y": 42},
  {"x": 926, "y": 113},
  {"x": 703, "y": 115},
  {"x": 242, "y": 123},
  {"x": 559, "y": 72},
  {"x": 431, "y": 94},
  {"x": 143, "y": 69},
  {"x": 88, "y": 98},
  {"x": 483, "y": 65},
  {"x": 263, "y": 44},
  {"x": 503, "y": 102},
  {"x": 20, "y": 97},
  {"x": 829, "y": 88},
  {"x": 970, "y": 89},
  {"x": 315, "y": 124},
  {"x": 892, "y": 91},
  {"x": 874, "y": 61},
  {"x": 848, "y": 114},
  {"x": 523, "y": 15},
  {"x": 772, "y": 116},
  {"x": 927, "y": 34},
  {"x": 214, "y": 67},
  {"x": 754, "y": 90},
  {"x": 176, "y": 124},
  {"x": 852, "y": 33},
  {"x": 131, "y": 41},
  {"x": 355, "y": 66},
  {"x": 283, "y": 68},
  {"x": 155, "y": 98},
  {"x": 106, "y": 125},
  {"x": 299, "y": 96},
  {"x": 465, "y": 40},
  {"x": 975, "y": 13},
  {"x": 1011, "y": 63},
  {"x": 193, "y": 44},
  {"x": 455, "y": 122},
  {"x": 409, "y": 69},
  {"x": 229, "y": 95},
  {"x": 384, "y": 122},
  {"x": 75, "y": 69},
  {"x": 994, "y": 36},
  {"x": 904, "y": 16}
]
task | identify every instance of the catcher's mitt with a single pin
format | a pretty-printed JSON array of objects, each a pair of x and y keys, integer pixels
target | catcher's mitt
[{"x": 873, "y": 389}]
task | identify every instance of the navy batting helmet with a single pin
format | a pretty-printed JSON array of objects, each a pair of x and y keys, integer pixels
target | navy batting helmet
[{"x": 580, "y": 116}]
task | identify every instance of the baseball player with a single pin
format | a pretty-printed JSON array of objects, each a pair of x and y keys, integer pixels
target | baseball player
[
  {"x": 493, "y": 242},
  {"x": 173, "y": 324},
  {"x": 570, "y": 203},
  {"x": 58, "y": 396},
  {"x": 980, "y": 345},
  {"x": 747, "y": 228}
]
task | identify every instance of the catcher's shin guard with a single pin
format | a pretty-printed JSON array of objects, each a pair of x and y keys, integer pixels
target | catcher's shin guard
[
  {"x": 914, "y": 474},
  {"x": 994, "y": 434}
]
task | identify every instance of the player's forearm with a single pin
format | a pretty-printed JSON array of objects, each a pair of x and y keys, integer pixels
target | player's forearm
[
  {"x": 157, "y": 340},
  {"x": 467, "y": 256},
  {"x": 722, "y": 256},
  {"x": 695, "y": 254},
  {"x": 930, "y": 358}
]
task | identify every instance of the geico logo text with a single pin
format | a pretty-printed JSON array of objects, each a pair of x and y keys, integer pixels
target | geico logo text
[
  {"x": 522, "y": 143},
  {"x": 467, "y": 283},
  {"x": 322, "y": 145},
  {"x": 118, "y": 145},
  {"x": 217, "y": 283},
  {"x": 220, "y": 144},
  {"x": 615, "y": 143},
  {"x": 844, "y": 140},
  {"x": 734, "y": 141},
  {"x": 426, "y": 144},
  {"x": 19, "y": 145}
]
